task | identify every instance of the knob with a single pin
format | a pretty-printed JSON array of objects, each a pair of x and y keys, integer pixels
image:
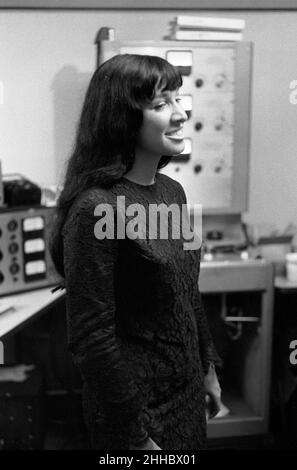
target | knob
[
  {"x": 198, "y": 126},
  {"x": 219, "y": 122},
  {"x": 199, "y": 82},
  {"x": 1, "y": 255},
  {"x": 218, "y": 125},
  {"x": 12, "y": 225},
  {"x": 1, "y": 277},
  {"x": 220, "y": 80},
  {"x": 197, "y": 168},
  {"x": 13, "y": 248},
  {"x": 14, "y": 268}
]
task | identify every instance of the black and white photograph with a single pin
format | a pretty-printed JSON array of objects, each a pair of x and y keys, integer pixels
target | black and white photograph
[{"x": 148, "y": 228}]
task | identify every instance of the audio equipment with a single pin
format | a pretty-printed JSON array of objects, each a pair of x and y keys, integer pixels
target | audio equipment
[
  {"x": 1, "y": 187},
  {"x": 25, "y": 261}
]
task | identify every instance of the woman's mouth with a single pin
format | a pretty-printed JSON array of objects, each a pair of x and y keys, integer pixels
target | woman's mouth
[{"x": 175, "y": 135}]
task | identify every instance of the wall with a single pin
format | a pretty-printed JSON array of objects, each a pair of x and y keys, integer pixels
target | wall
[
  {"x": 47, "y": 58},
  {"x": 145, "y": 4}
]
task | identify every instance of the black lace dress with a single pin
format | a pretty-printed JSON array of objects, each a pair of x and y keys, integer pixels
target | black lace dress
[{"x": 136, "y": 326}]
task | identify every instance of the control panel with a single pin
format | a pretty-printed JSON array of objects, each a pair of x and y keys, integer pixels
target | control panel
[{"x": 25, "y": 262}]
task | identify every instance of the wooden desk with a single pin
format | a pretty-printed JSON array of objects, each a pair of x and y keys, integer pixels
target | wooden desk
[{"x": 28, "y": 306}]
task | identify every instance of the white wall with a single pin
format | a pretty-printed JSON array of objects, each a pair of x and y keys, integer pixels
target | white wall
[{"x": 46, "y": 61}]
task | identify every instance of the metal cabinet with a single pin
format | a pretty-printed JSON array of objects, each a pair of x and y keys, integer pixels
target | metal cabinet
[{"x": 238, "y": 299}]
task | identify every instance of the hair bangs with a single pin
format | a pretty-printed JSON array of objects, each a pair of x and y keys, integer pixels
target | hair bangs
[
  {"x": 153, "y": 73},
  {"x": 170, "y": 78}
]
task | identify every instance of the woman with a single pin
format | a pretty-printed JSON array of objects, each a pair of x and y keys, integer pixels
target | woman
[{"x": 136, "y": 326}]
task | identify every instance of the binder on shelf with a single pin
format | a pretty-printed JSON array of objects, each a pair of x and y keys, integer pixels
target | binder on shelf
[
  {"x": 183, "y": 35},
  {"x": 204, "y": 22}
]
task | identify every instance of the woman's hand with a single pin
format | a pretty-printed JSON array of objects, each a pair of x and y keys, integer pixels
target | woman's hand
[
  {"x": 215, "y": 406},
  {"x": 211, "y": 383},
  {"x": 149, "y": 444}
]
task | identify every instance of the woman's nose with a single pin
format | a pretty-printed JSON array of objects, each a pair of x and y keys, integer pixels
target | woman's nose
[{"x": 179, "y": 114}]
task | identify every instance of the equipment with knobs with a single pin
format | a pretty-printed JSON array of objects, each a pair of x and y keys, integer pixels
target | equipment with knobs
[{"x": 25, "y": 262}]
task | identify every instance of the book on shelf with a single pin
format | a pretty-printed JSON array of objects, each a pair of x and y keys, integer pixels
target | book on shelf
[
  {"x": 209, "y": 23},
  {"x": 189, "y": 35}
]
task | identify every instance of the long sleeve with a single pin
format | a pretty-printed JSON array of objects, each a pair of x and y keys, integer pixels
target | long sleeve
[
  {"x": 208, "y": 351},
  {"x": 89, "y": 266}
]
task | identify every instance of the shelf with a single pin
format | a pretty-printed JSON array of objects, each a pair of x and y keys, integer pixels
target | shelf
[{"x": 241, "y": 421}]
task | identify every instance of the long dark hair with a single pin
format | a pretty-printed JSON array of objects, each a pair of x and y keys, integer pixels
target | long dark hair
[{"x": 108, "y": 128}]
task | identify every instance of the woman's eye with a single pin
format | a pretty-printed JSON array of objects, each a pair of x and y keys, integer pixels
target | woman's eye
[{"x": 160, "y": 105}]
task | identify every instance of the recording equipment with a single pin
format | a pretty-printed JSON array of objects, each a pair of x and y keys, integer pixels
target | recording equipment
[
  {"x": 1, "y": 187},
  {"x": 25, "y": 261},
  {"x": 19, "y": 191}
]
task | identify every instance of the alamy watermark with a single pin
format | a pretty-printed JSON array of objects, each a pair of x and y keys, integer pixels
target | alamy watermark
[
  {"x": 1, "y": 353},
  {"x": 160, "y": 221},
  {"x": 293, "y": 354},
  {"x": 293, "y": 94}
]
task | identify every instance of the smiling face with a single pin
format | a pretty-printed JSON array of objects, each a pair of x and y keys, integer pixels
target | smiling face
[{"x": 161, "y": 132}]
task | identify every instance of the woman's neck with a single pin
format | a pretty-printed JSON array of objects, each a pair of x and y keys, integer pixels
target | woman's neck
[{"x": 143, "y": 171}]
